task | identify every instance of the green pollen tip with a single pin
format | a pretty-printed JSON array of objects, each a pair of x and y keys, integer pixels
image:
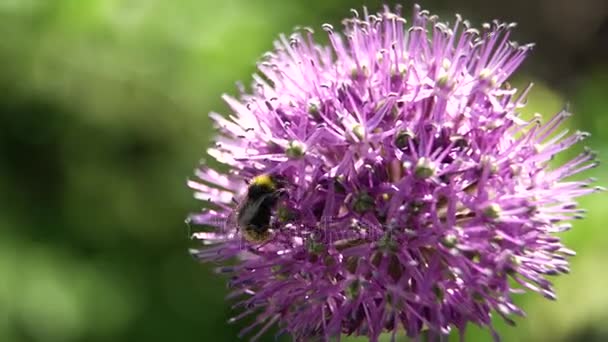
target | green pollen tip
[
  {"x": 515, "y": 261},
  {"x": 492, "y": 211},
  {"x": 474, "y": 256},
  {"x": 438, "y": 293},
  {"x": 497, "y": 238},
  {"x": 446, "y": 64},
  {"x": 442, "y": 81},
  {"x": 353, "y": 289},
  {"x": 363, "y": 202},
  {"x": 424, "y": 168},
  {"x": 402, "y": 139},
  {"x": 295, "y": 150},
  {"x": 387, "y": 243},
  {"x": 449, "y": 241},
  {"x": 313, "y": 109},
  {"x": 314, "y": 247},
  {"x": 284, "y": 214},
  {"x": 358, "y": 131}
]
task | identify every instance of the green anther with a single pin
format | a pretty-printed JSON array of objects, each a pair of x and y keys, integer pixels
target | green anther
[
  {"x": 338, "y": 186},
  {"x": 416, "y": 206},
  {"x": 446, "y": 64},
  {"x": 313, "y": 110},
  {"x": 295, "y": 149},
  {"x": 314, "y": 247},
  {"x": 402, "y": 139},
  {"x": 424, "y": 168},
  {"x": 497, "y": 238},
  {"x": 476, "y": 258},
  {"x": 363, "y": 202},
  {"x": 492, "y": 211},
  {"x": 353, "y": 289},
  {"x": 438, "y": 293},
  {"x": 511, "y": 269},
  {"x": 284, "y": 214},
  {"x": 442, "y": 81},
  {"x": 358, "y": 131},
  {"x": 449, "y": 240},
  {"x": 387, "y": 243}
]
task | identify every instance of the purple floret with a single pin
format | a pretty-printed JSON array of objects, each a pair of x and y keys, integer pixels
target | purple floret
[{"x": 415, "y": 197}]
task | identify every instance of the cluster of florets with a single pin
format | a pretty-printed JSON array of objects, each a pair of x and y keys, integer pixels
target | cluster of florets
[{"x": 415, "y": 195}]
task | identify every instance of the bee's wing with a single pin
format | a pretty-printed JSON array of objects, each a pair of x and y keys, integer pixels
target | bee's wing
[
  {"x": 250, "y": 210},
  {"x": 231, "y": 223}
]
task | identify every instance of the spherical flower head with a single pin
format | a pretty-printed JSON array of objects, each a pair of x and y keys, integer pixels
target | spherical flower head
[{"x": 412, "y": 194}]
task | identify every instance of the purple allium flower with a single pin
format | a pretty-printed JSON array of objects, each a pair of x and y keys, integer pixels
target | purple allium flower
[{"x": 414, "y": 195}]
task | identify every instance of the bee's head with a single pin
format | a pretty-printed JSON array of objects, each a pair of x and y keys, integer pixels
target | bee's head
[{"x": 280, "y": 182}]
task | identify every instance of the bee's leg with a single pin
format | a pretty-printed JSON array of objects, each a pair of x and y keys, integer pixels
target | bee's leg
[{"x": 278, "y": 193}]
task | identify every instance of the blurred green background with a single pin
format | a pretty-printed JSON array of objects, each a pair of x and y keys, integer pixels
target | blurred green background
[{"x": 103, "y": 116}]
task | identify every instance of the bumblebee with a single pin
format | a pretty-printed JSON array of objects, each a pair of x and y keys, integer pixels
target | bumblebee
[{"x": 254, "y": 212}]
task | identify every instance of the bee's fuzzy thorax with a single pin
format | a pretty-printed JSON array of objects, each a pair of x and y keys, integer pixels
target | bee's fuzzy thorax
[{"x": 264, "y": 180}]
